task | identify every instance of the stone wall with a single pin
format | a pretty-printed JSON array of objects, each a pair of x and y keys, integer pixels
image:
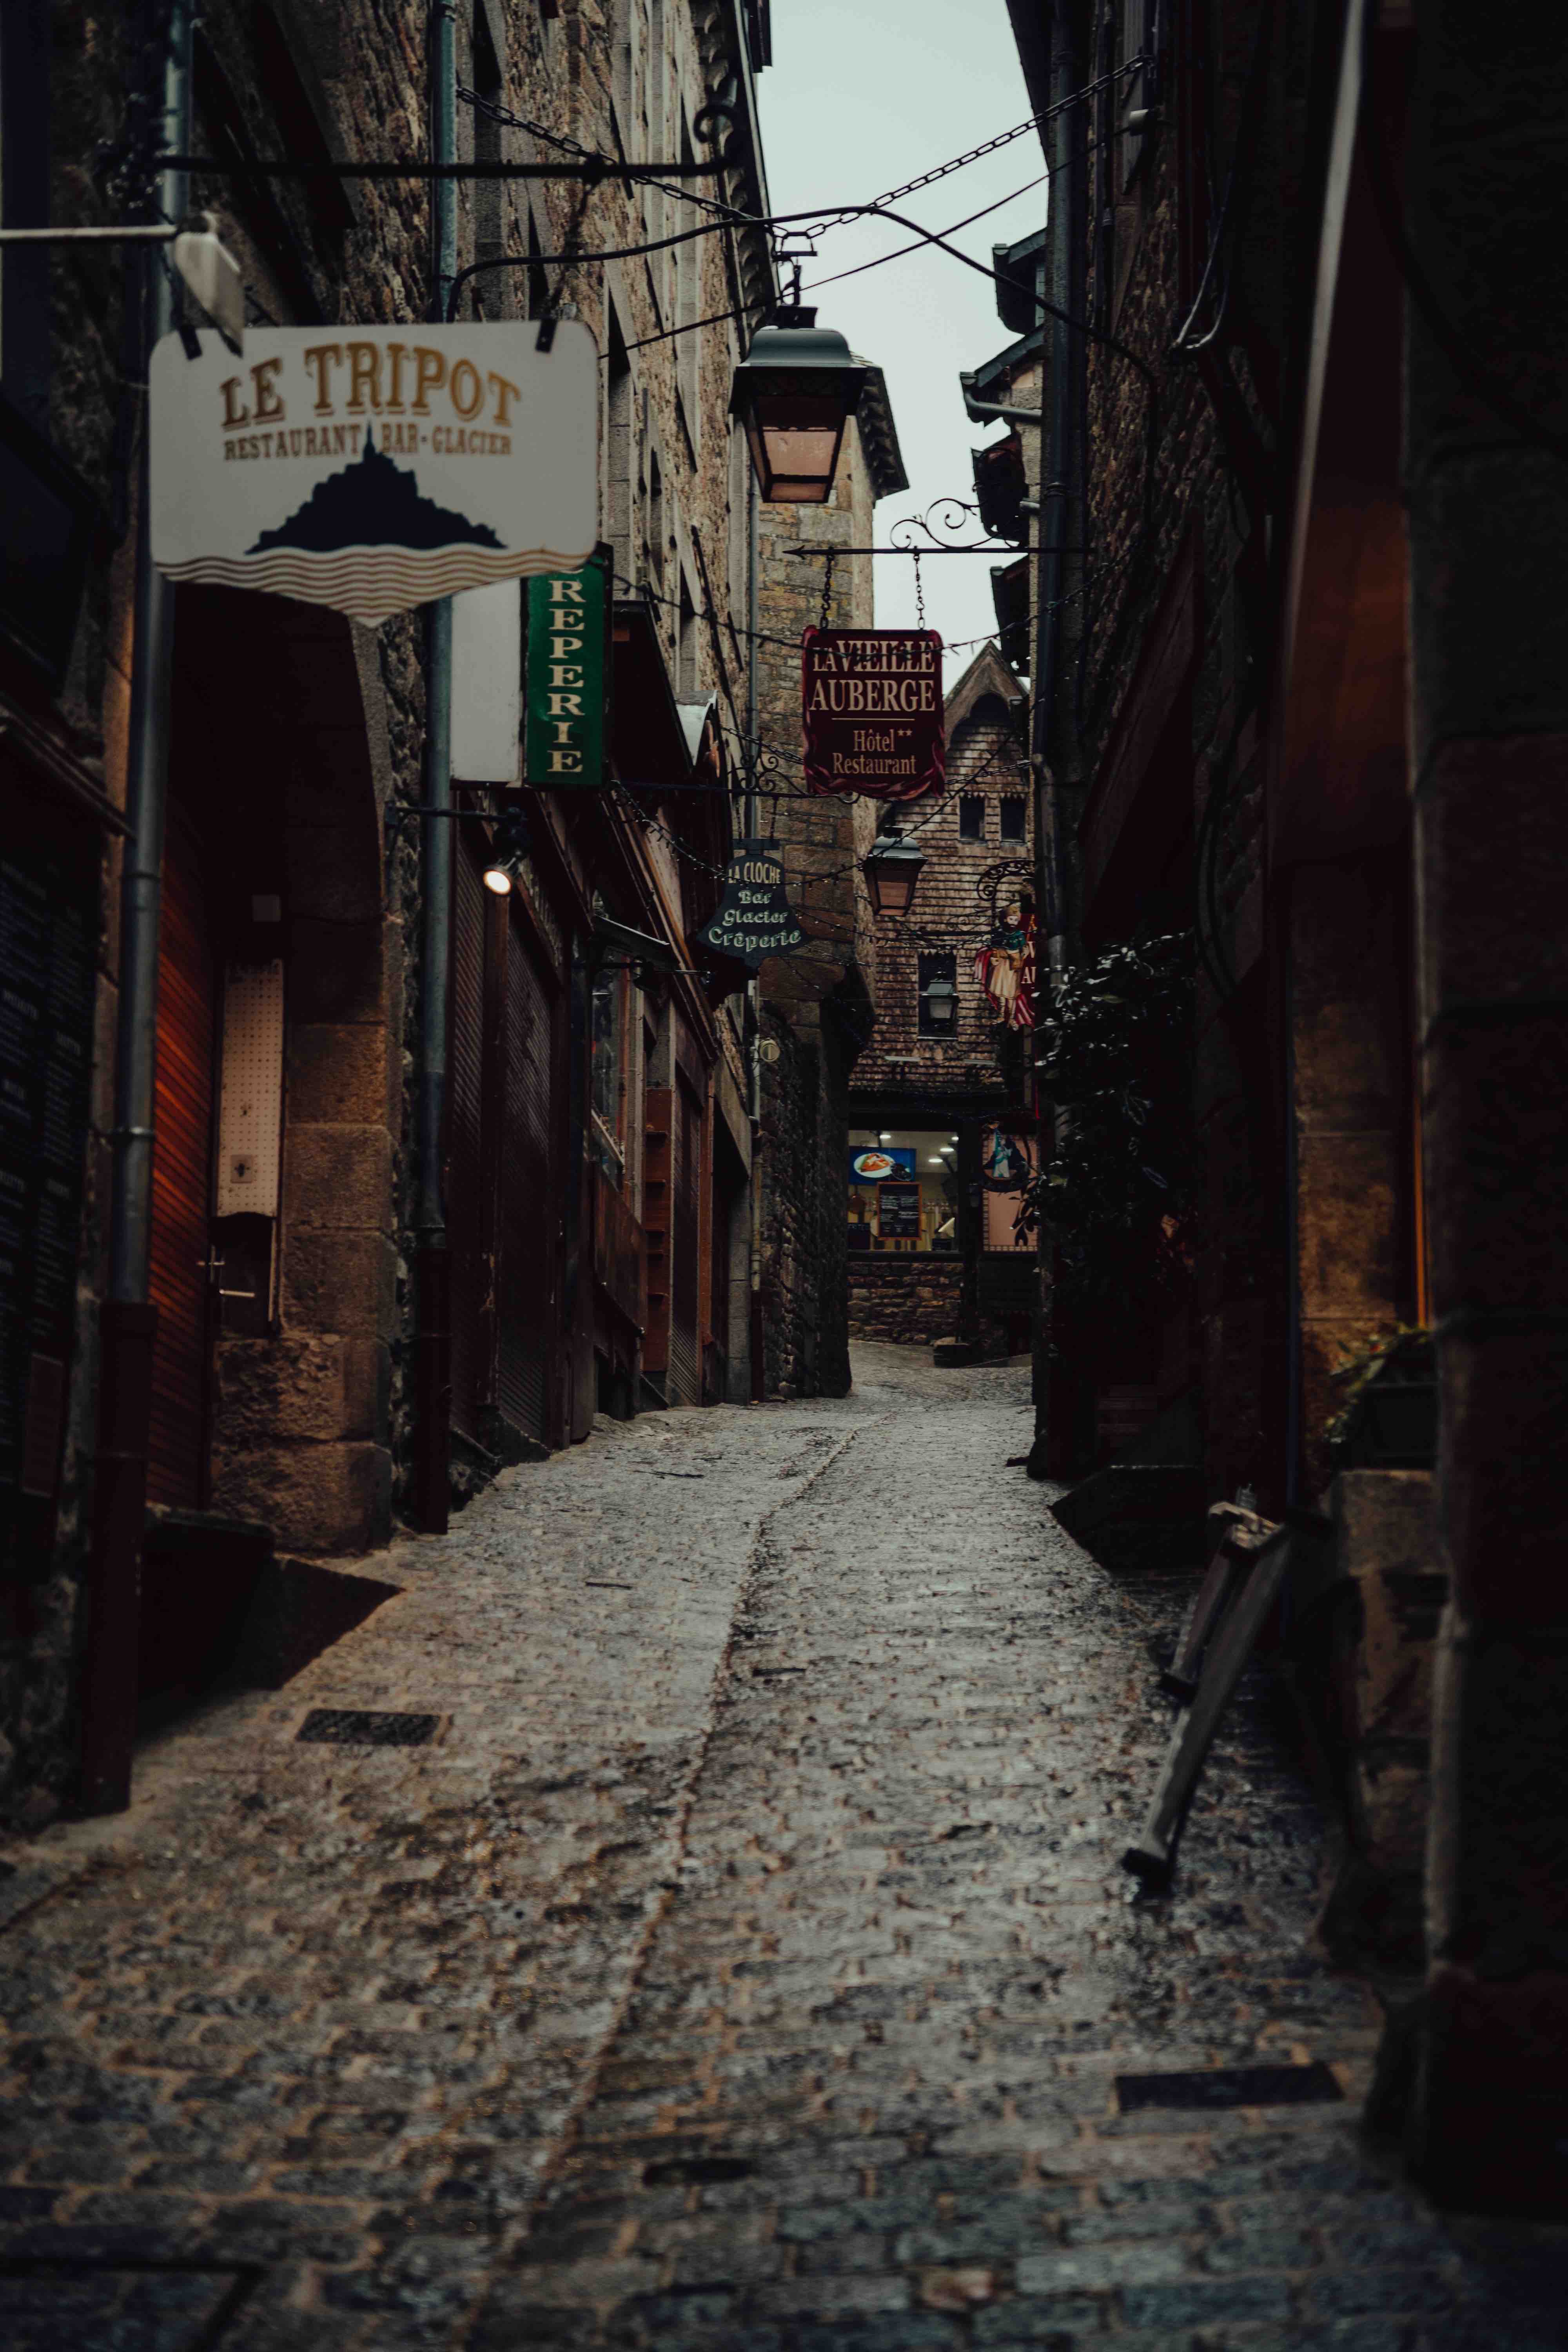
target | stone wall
[
  {"x": 986, "y": 755},
  {"x": 910, "y": 1299},
  {"x": 313, "y": 1418},
  {"x": 913, "y": 1300}
]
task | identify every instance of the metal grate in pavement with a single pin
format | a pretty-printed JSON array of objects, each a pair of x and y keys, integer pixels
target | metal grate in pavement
[
  {"x": 1229, "y": 2086},
  {"x": 71, "y": 2305},
  {"x": 342, "y": 1726}
]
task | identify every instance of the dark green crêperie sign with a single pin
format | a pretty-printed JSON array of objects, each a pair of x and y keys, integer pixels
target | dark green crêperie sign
[
  {"x": 564, "y": 682},
  {"x": 755, "y": 919}
]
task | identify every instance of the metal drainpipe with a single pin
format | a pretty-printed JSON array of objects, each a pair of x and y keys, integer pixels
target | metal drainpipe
[
  {"x": 128, "y": 1321},
  {"x": 753, "y": 988},
  {"x": 433, "y": 1329},
  {"x": 1054, "y": 529}
]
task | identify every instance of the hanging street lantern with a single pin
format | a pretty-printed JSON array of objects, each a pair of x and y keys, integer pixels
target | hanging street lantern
[
  {"x": 892, "y": 867},
  {"x": 794, "y": 393}
]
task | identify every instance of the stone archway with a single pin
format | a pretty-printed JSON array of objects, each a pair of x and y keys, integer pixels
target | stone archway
[{"x": 300, "y": 1422}]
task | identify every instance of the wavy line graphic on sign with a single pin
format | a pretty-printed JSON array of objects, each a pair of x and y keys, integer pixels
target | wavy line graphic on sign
[{"x": 367, "y": 582}]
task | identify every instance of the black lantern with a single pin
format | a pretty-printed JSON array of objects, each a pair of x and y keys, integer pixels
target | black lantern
[
  {"x": 794, "y": 393},
  {"x": 892, "y": 867},
  {"x": 509, "y": 848}
]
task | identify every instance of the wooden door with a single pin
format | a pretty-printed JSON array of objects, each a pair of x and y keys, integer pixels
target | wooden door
[
  {"x": 465, "y": 1164},
  {"x": 530, "y": 1217},
  {"x": 686, "y": 1268},
  {"x": 177, "y": 1464}
]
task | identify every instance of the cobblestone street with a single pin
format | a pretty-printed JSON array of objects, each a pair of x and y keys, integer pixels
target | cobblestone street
[{"x": 743, "y": 1962}]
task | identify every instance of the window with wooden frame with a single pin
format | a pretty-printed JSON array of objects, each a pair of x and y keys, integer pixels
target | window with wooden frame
[
  {"x": 971, "y": 817},
  {"x": 689, "y": 341},
  {"x": 606, "y": 1087},
  {"x": 494, "y": 293},
  {"x": 687, "y": 643},
  {"x": 620, "y": 450}
]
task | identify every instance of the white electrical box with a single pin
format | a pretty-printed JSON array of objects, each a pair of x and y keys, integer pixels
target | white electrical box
[{"x": 251, "y": 1105}]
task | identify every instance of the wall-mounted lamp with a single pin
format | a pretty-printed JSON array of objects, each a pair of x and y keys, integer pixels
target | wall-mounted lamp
[
  {"x": 942, "y": 1002},
  {"x": 508, "y": 852}
]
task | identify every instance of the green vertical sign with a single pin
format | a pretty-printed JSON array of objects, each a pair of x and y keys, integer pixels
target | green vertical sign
[{"x": 564, "y": 686}]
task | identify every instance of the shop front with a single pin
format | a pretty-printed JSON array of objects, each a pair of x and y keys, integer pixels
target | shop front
[{"x": 932, "y": 1253}]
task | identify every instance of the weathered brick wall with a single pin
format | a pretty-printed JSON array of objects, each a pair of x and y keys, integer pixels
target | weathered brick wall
[
  {"x": 910, "y": 1300},
  {"x": 1167, "y": 485},
  {"x": 985, "y": 754},
  {"x": 354, "y": 79},
  {"x": 913, "y": 1300},
  {"x": 302, "y": 258}
]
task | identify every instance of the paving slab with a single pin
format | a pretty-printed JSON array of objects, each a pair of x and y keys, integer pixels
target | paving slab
[{"x": 738, "y": 1958}]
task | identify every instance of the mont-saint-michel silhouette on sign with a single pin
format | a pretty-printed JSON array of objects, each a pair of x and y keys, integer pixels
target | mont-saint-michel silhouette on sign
[
  {"x": 373, "y": 503},
  {"x": 374, "y": 470}
]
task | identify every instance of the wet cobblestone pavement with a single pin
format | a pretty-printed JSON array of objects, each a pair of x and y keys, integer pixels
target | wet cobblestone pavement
[{"x": 744, "y": 1964}]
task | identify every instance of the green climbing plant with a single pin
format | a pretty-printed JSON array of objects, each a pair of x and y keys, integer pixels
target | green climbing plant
[{"x": 1115, "y": 1056}]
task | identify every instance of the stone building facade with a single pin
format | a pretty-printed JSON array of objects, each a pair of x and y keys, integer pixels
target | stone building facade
[
  {"x": 1300, "y": 697},
  {"x": 816, "y": 1006},
  {"x": 597, "y": 1132},
  {"x": 942, "y": 1067}
]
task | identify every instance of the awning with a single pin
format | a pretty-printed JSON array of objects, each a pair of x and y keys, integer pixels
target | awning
[{"x": 648, "y": 734}]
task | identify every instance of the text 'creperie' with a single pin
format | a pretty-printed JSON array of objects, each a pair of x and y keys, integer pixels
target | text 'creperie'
[{"x": 362, "y": 380}]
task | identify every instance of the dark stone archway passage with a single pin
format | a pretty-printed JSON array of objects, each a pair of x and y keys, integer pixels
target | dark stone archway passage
[{"x": 738, "y": 1959}]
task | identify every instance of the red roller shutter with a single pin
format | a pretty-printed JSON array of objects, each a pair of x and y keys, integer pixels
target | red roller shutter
[
  {"x": 530, "y": 1191},
  {"x": 464, "y": 1110},
  {"x": 181, "y": 1178}
]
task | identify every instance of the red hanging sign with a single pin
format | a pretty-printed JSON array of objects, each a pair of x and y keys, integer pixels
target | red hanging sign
[{"x": 872, "y": 711}]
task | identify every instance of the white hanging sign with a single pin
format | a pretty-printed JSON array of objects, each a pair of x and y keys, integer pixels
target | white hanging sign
[
  {"x": 486, "y": 683},
  {"x": 373, "y": 469}
]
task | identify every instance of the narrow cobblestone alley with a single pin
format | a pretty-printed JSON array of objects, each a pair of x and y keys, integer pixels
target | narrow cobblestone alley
[{"x": 744, "y": 1960}]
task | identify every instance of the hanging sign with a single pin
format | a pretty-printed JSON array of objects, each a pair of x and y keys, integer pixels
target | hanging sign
[
  {"x": 373, "y": 469},
  {"x": 872, "y": 711},
  {"x": 563, "y": 685},
  {"x": 1004, "y": 967},
  {"x": 755, "y": 919}
]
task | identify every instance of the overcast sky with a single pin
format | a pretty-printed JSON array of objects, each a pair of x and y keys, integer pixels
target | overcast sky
[{"x": 861, "y": 97}]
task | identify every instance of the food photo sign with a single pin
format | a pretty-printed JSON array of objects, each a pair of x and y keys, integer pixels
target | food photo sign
[{"x": 374, "y": 468}]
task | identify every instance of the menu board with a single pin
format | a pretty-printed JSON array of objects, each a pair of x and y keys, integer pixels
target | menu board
[
  {"x": 47, "y": 955},
  {"x": 899, "y": 1211}
]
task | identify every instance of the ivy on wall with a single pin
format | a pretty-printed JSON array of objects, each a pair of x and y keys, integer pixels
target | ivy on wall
[{"x": 1115, "y": 1058}]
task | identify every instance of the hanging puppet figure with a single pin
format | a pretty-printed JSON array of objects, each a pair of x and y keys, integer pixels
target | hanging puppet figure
[{"x": 1005, "y": 969}]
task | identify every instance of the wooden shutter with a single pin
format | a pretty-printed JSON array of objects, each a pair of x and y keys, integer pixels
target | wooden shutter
[
  {"x": 182, "y": 1177},
  {"x": 465, "y": 1092},
  {"x": 685, "y": 1271},
  {"x": 530, "y": 1191}
]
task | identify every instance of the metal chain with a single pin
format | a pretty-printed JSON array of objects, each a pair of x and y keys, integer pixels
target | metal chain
[
  {"x": 824, "y": 616},
  {"x": 919, "y": 592}
]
